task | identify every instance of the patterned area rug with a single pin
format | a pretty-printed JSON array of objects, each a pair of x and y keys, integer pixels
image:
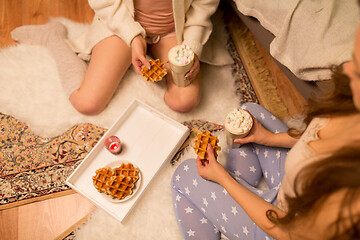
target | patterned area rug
[
  {"x": 244, "y": 89},
  {"x": 33, "y": 168}
]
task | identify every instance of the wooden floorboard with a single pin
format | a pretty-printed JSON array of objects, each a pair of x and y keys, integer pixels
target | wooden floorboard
[
  {"x": 45, "y": 220},
  {"x": 15, "y": 13},
  {"x": 9, "y": 223}
]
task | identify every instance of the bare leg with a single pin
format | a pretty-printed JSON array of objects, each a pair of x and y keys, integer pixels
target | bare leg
[
  {"x": 51, "y": 35},
  {"x": 179, "y": 99},
  {"x": 110, "y": 59}
]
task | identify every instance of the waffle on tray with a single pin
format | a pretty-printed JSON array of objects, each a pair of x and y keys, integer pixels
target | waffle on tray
[
  {"x": 201, "y": 142},
  {"x": 120, "y": 186},
  {"x": 101, "y": 178},
  {"x": 118, "y": 182},
  {"x": 156, "y": 72},
  {"x": 128, "y": 170}
]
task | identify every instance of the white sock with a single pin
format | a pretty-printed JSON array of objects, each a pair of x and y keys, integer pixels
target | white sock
[{"x": 51, "y": 35}]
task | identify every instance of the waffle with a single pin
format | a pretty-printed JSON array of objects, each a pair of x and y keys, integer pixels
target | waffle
[
  {"x": 101, "y": 178},
  {"x": 156, "y": 72},
  {"x": 118, "y": 182},
  {"x": 120, "y": 186},
  {"x": 127, "y": 170},
  {"x": 201, "y": 142}
]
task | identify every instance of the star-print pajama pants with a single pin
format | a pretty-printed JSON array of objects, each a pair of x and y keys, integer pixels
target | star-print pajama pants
[{"x": 204, "y": 208}]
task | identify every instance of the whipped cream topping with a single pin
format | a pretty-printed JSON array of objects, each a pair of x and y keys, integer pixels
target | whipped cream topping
[
  {"x": 181, "y": 55},
  {"x": 238, "y": 121}
]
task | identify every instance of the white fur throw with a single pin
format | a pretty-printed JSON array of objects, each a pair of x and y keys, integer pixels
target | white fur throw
[{"x": 31, "y": 90}]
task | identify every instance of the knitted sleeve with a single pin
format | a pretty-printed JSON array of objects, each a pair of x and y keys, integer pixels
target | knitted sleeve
[
  {"x": 118, "y": 18},
  {"x": 198, "y": 26}
]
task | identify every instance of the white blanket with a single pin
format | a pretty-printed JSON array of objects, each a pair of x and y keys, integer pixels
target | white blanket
[
  {"x": 31, "y": 90},
  {"x": 309, "y": 35}
]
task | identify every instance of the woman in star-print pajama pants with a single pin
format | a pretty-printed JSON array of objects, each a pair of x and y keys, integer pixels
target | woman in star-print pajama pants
[{"x": 204, "y": 208}]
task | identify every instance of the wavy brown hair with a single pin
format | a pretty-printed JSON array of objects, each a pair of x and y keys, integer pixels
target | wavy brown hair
[
  {"x": 341, "y": 171},
  {"x": 327, "y": 176},
  {"x": 335, "y": 100}
]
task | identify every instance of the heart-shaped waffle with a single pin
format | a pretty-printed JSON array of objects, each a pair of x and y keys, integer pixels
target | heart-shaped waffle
[
  {"x": 127, "y": 170},
  {"x": 101, "y": 178},
  {"x": 201, "y": 142},
  {"x": 120, "y": 186},
  {"x": 156, "y": 72},
  {"x": 117, "y": 182}
]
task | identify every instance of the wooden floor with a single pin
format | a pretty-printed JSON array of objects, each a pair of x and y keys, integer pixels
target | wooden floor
[
  {"x": 44, "y": 220},
  {"x": 15, "y": 13},
  {"x": 51, "y": 219}
]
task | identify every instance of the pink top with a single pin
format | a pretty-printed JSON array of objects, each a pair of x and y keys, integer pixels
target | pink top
[{"x": 155, "y": 16}]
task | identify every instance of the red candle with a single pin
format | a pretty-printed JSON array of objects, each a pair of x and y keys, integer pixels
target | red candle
[{"x": 113, "y": 144}]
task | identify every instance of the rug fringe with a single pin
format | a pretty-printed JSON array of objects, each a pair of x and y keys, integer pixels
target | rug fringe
[
  {"x": 260, "y": 76},
  {"x": 70, "y": 231},
  {"x": 36, "y": 199}
]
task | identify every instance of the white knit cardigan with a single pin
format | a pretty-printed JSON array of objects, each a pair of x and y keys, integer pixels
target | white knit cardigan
[{"x": 192, "y": 23}]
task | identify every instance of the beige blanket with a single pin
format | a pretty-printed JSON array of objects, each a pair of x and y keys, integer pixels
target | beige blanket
[{"x": 309, "y": 35}]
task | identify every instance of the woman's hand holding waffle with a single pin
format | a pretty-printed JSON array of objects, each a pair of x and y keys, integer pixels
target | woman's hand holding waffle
[
  {"x": 211, "y": 169},
  {"x": 138, "y": 53}
]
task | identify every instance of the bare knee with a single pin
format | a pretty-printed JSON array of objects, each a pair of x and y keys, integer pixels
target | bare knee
[
  {"x": 85, "y": 105},
  {"x": 181, "y": 103},
  {"x": 87, "y": 108}
]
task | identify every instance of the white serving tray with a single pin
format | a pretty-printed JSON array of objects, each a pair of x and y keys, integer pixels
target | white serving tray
[{"x": 149, "y": 139}]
